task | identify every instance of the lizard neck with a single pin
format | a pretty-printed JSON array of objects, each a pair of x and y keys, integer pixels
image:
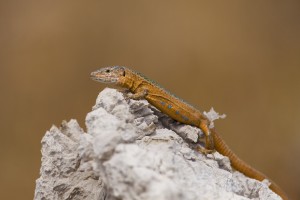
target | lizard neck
[{"x": 129, "y": 80}]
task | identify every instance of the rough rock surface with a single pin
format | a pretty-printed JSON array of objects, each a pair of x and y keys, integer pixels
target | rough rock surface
[{"x": 132, "y": 151}]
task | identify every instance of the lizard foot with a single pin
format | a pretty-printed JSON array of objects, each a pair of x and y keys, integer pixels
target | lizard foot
[
  {"x": 125, "y": 92},
  {"x": 204, "y": 150}
]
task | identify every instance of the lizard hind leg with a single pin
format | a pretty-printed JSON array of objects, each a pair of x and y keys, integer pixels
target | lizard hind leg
[{"x": 209, "y": 142}]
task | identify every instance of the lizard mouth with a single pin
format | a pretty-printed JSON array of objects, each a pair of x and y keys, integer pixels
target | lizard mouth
[{"x": 103, "y": 78}]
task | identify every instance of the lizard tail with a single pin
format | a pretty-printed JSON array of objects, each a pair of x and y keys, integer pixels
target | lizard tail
[{"x": 242, "y": 166}]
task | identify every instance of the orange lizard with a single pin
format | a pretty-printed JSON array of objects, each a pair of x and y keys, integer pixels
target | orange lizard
[{"x": 142, "y": 87}]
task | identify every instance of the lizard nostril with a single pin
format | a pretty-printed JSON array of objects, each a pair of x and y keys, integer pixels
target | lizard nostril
[{"x": 93, "y": 75}]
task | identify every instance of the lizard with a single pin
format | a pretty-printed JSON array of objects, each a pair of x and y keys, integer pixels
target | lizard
[{"x": 144, "y": 88}]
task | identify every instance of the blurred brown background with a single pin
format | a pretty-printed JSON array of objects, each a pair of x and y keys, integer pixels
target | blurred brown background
[{"x": 241, "y": 57}]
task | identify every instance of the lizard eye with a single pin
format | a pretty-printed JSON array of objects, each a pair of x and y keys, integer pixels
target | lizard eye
[{"x": 107, "y": 71}]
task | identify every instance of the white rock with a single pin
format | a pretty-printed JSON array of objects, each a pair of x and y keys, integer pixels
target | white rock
[{"x": 130, "y": 151}]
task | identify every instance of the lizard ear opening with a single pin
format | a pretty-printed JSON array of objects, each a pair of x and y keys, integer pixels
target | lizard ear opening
[{"x": 123, "y": 73}]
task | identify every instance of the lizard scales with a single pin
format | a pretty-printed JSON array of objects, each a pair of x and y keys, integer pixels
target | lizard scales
[{"x": 141, "y": 87}]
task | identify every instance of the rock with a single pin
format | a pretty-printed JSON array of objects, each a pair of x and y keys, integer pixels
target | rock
[
  {"x": 132, "y": 151},
  {"x": 60, "y": 177}
]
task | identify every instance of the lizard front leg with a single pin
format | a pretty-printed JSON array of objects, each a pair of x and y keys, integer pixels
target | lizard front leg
[{"x": 138, "y": 95}]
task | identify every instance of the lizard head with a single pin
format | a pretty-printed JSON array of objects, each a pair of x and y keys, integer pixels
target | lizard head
[{"x": 108, "y": 74}]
